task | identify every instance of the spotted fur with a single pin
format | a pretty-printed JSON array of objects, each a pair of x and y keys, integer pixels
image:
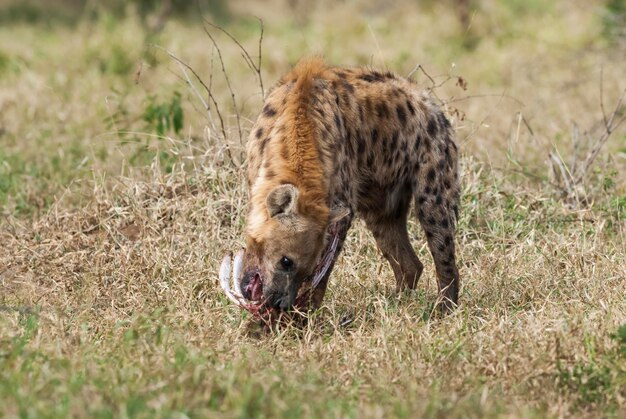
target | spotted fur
[{"x": 361, "y": 139}]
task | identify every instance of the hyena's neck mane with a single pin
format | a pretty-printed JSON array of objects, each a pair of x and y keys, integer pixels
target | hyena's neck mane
[
  {"x": 299, "y": 158},
  {"x": 292, "y": 154}
]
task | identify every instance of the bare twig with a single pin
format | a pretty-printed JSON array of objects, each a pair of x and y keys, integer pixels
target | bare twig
[
  {"x": 602, "y": 95},
  {"x": 227, "y": 79},
  {"x": 419, "y": 67},
  {"x": 575, "y": 145},
  {"x": 464, "y": 98},
  {"x": 256, "y": 67},
  {"x": 565, "y": 177},
  {"x": 609, "y": 126},
  {"x": 184, "y": 67}
]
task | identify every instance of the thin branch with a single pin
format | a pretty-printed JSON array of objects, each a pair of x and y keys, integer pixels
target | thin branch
[
  {"x": 575, "y": 145},
  {"x": 464, "y": 98},
  {"x": 565, "y": 177},
  {"x": 419, "y": 67},
  {"x": 602, "y": 95},
  {"x": 244, "y": 52},
  {"x": 184, "y": 67},
  {"x": 609, "y": 127},
  {"x": 258, "y": 69},
  {"x": 230, "y": 89}
]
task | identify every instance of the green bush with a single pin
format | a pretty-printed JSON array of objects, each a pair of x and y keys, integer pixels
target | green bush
[
  {"x": 164, "y": 116},
  {"x": 614, "y": 20}
]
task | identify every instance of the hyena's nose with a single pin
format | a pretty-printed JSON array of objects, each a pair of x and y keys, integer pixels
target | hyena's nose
[{"x": 252, "y": 286}]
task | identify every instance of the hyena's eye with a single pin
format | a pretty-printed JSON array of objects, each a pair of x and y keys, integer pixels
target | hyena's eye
[{"x": 286, "y": 263}]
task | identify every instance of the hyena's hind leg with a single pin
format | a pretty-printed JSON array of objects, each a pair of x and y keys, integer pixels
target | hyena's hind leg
[{"x": 436, "y": 210}]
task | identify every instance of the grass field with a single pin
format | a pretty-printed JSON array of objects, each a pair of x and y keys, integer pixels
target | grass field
[{"x": 119, "y": 196}]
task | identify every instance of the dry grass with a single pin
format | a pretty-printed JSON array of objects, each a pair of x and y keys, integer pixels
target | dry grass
[{"x": 110, "y": 242}]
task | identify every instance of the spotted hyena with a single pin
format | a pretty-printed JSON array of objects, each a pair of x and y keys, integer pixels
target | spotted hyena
[{"x": 331, "y": 143}]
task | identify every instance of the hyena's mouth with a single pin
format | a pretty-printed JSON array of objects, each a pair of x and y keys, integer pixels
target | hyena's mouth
[
  {"x": 231, "y": 270},
  {"x": 255, "y": 288}
]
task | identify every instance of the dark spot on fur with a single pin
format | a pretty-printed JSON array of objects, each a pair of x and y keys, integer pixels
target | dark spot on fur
[
  {"x": 401, "y": 114},
  {"x": 370, "y": 78},
  {"x": 375, "y": 76},
  {"x": 338, "y": 121},
  {"x": 394, "y": 141},
  {"x": 346, "y": 85},
  {"x": 431, "y": 128},
  {"x": 382, "y": 110},
  {"x": 361, "y": 145},
  {"x": 427, "y": 190},
  {"x": 427, "y": 145},
  {"x": 443, "y": 121},
  {"x": 374, "y": 136},
  {"x": 349, "y": 145},
  {"x": 430, "y": 220},
  {"x": 421, "y": 199},
  {"x": 447, "y": 240},
  {"x": 431, "y": 175},
  {"x": 264, "y": 143},
  {"x": 259, "y": 133},
  {"x": 268, "y": 111},
  {"x": 444, "y": 223},
  {"x": 418, "y": 140},
  {"x": 410, "y": 107}
]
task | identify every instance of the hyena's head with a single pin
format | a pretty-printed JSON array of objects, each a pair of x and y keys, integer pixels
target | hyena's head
[{"x": 284, "y": 244}]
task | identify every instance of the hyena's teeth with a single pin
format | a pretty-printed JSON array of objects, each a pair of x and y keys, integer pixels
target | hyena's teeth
[{"x": 237, "y": 270}]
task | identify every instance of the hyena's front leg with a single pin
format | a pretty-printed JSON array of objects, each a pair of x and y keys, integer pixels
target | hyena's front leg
[{"x": 392, "y": 239}]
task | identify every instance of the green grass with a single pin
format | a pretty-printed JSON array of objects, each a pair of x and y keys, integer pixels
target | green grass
[{"x": 118, "y": 198}]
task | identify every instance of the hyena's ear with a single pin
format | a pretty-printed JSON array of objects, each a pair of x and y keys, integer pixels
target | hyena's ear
[{"x": 282, "y": 200}]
